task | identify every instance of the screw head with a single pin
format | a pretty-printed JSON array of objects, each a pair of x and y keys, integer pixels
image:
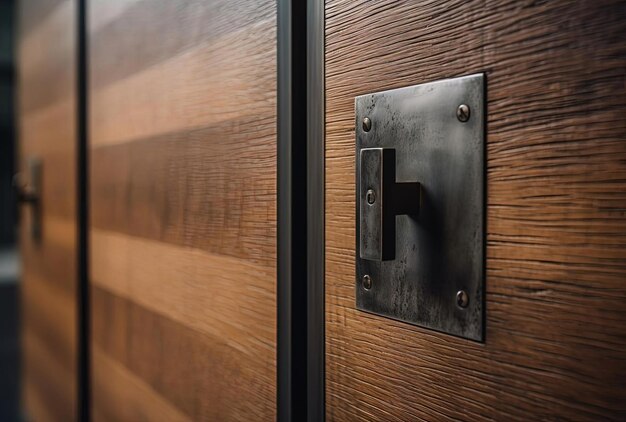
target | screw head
[
  {"x": 463, "y": 113},
  {"x": 367, "y": 124},
  {"x": 370, "y": 196},
  {"x": 367, "y": 282},
  {"x": 462, "y": 299}
]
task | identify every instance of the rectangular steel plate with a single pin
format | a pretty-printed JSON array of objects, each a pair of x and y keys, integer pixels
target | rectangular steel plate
[{"x": 441, "y": 251}]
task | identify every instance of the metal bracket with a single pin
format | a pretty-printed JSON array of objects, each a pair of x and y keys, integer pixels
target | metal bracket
[{"x": 420, "y": 204}]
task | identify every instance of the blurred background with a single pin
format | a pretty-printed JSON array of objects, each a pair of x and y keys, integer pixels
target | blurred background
[{"x": 9, "y": 279}]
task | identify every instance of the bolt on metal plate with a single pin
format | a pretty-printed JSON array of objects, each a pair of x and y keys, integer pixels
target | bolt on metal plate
[{"x": 435, "y": 278}]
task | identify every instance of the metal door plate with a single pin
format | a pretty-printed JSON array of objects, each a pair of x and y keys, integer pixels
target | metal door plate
[{"x": 436, "y": 277}]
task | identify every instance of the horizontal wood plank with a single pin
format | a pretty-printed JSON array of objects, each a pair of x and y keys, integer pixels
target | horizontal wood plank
[
  {"x": 208, "y": 377},
  {"x": 51, "y": 386},
  {"x": 45, "y": 55},
  {"x": 213, "y": 188},
  {"x": 103, "y": 13},
  {"x": 232, "y": 77},
  {"x": 228, "y": 298},
  {"x": 32, "y": 13},
  {"x": 53, "y": 122},
  {"x": 186, "y": 25},
  {"x": 113, "y": 384},
  {"x": 51, "y": 315}
]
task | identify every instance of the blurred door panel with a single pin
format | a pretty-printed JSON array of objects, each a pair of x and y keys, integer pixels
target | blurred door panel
[
  {"x": 182, "y": 121},
  {"x": 556, "y": 195},
  {"x": 46, "y": 60}
]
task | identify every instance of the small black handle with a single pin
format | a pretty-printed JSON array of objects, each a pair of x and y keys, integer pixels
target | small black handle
[{"x": 31, "y": 195}]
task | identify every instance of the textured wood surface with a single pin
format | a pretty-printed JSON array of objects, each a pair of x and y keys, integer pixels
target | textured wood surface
[
  {"x": 183, "y": 209},
  {"x": 46, "y": 128},
  {"x": 556, "y": 212}
]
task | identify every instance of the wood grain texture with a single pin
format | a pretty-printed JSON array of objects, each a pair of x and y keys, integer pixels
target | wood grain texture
[
  {"x": 228, "y": 298},
  {"x": 153, "y": 188},
  {"x": 52, "y": 316},
  {"x": 45, "y": 54},
  {"x": 183, "y": 223},
  {"x": 46, "y": 128},
  {"x": 32, "y": 13},
  {"x": 51, "y": 386},
  {"x": 204, "y": 23},
  {"x": 116, "y": 384},
  {"x": 230, "y": 78},
  {"x": 203, "y": 376},
  {"x": 556, "y": 212}
]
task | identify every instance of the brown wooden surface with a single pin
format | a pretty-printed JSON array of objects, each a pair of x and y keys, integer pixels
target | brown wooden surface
[
  {"x": 183, "y": 209},
  {"x": 556, "y": 218},
  {"x": 46, "y": 128}
]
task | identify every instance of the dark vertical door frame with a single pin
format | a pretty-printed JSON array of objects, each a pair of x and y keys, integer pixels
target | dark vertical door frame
[
  {"x": 292, "y": 213},
  {"x": 315, "y": 204},
  {"x": 300, "y": 283},
  {"x": 82, "y": 200}
]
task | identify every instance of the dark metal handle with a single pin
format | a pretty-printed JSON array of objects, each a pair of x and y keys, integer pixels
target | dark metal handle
[
  {"x": 25, "y": 195},
  {"x": 382, "y": 199},
  {"x": 31, "y": 195}
]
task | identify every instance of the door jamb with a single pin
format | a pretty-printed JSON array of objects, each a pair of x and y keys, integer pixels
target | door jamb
[
  {"x": 82, "y": 215},
  {"x": 300, "y": 225},
  {"x": 316, "y": 207}
]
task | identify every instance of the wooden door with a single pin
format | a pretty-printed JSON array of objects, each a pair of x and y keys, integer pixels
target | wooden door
[
  {"x": 182, "y": 119},
  {"x": 46, "y": 110},
  {"x": 556, "y": 225}
]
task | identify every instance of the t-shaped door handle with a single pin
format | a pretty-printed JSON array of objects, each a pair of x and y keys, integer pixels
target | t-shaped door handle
[{"x": 382, "y": 199}]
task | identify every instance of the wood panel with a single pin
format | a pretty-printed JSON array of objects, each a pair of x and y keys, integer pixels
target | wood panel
[
  {"x": 556, "y": 221},
  {"x": 32, "y": 13},
  {"x": 183, "y": 209},
  {"x": 45, "y": 51},
  {"x": 197, "y": 93},
  {"x": 47, "y": 130},
  {"x": 115, "y": 384},
  {"x": 152, "y": 188}
]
